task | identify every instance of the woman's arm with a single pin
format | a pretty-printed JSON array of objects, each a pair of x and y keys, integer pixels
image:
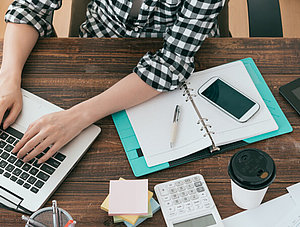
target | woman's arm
[
  {"x": 57, "y": 129},
  {"x": 19, "y": 40}
]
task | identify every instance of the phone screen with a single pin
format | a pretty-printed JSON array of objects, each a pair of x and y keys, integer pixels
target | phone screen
[{"x": 228, "y": 98}]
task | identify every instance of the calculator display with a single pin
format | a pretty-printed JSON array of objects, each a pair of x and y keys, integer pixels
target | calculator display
[{"x": 203, "y": 221}]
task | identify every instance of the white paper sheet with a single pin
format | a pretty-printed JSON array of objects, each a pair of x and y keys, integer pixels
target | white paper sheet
[{"x": 152, "y": 120}]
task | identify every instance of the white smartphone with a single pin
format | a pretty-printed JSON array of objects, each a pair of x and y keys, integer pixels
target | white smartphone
[{"x": 228, "y": 99}]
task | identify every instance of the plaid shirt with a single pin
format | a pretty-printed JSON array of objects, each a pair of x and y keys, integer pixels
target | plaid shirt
[{"x": 184, "y": 25}]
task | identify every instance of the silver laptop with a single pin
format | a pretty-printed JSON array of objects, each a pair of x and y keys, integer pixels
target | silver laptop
[{"x": 25, "y": 187}]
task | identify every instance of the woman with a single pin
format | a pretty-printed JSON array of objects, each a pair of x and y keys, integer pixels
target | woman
[{"x": 184, "y": 24}]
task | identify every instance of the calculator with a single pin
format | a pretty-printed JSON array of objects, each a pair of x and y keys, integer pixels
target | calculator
[{"x": 187, "y": 202}]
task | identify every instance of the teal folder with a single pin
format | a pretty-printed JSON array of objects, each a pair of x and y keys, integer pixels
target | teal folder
[{"x": 134, "y": 152}]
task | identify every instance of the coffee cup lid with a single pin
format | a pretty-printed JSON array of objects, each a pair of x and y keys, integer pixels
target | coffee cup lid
[{"x": 252, "y": 169}]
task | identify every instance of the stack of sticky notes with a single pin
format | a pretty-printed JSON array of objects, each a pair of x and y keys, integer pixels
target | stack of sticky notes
[{"x": 129, "y": 201}]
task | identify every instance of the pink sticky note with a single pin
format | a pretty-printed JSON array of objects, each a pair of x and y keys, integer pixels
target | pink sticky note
[{"x": 128, "y": 197}]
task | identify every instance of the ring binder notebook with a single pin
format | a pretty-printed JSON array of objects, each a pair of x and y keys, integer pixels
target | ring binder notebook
[
  {"x": 201, "y": 119},
  {"x": 136, "y": 156}
]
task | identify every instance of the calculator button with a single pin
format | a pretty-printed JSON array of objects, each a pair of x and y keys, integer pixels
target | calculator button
[
  {"x": 194, "y": 197},
  {"x": 190, "y": 186},
  {"x": 202, "y": 194},
  {"x": 172, "y": 190},
  {"x": 163, "y": 191},
  {"x": 188, "y": 204},
  {"x": 196, "y": 178},
  {"x": 171, "y": 185},
  {"x": 166, "y": 198},
  {"x": 185, "y": 199},
  {"x": 207, "y": 205},
  {"x": 188, "y": 181},
  {"x": 190, "y": 208},
  {"x": 179, "y": 207},
  {"x": 192, "y": 191},
  {"x": 205, "y": 200},
  {"x": 184, "y": 193},
  {"x": 179, "y": 183},
  {"x": 174, "y": 196},
  {"x": 172, "y": 214},
  {"x": 198, "y": 206},
  {"x": 171, "y": 209},
  {"x": 198, "y": 184},
  {"x": 180, "y": 212},
  {"x": 168, "y": 203},
  {"x": 181, "y": 188},
  {"x": 200, "y": 189},
  {"x": 176, "y": 202},
  {"x": 197, "y": 202}
]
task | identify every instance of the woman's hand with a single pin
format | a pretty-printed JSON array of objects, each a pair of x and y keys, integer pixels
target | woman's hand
[
  {"x": 10, "y": 98},
  {"x": 52, "y": 130}
]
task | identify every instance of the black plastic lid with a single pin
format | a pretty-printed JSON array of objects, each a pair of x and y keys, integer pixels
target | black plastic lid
[{"x": 252, "y": 169}]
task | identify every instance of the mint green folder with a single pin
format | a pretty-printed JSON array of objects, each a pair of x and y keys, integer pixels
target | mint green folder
[{"x": 134, "y": 152}]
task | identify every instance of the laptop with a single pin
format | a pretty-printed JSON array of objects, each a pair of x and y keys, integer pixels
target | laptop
[{"x": 25, "y": 187}]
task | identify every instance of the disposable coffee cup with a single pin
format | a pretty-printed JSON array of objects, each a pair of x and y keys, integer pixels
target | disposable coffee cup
[{"x": 251, "y": 172}]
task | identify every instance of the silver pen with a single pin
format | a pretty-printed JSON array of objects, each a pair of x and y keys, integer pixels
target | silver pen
[
  {"x": 174, "y": 125},
  {"x": 55, "y": 214},
  {"x": 31, "y": 222}
]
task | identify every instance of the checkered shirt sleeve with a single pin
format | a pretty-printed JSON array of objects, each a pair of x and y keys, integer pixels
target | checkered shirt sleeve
[
  {"x": 33, "y": 12},
  {"x": 170, "y": 66}
]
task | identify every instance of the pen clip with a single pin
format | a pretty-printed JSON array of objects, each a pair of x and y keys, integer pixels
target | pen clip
[{"x": 176, "y": 114}]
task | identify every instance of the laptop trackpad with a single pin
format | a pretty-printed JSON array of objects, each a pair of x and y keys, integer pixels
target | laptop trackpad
[{"x": 31, "y": 111}]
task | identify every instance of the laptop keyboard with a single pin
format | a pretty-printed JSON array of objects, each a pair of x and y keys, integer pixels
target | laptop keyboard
[{"x": 30, "y": 175}]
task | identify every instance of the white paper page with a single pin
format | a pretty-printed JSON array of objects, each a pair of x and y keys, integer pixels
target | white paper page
[
  {"x": 294, "y": 191},
  {"x": 266, "y": 215},
  {"x": 291, "y": 219},
  {"x": 152, "y": 120}
]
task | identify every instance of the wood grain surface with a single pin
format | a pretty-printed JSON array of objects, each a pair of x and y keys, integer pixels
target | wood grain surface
[{"x": 68, "y": 71}]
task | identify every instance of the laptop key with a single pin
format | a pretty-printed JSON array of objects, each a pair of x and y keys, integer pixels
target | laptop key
[
  {"x": 53, "y": 162},
  {"x": 60, "y": 157},
  {"x": 19, "y": 163},
  {"x": 15, "y": 143},
  {"x": 4, "y": 155},
  {"x": 34, "y": 190},
  {"x": 14, "y": 132},
  {"x": 42, "y": 176},
  {"x": 12, "y": 159},
  {"x": 9, "y": 168},
  {"x": 8, "y": 148},
  {"x": 13, "y": 178},
  {"x": 26, "y": 167},
  {"x": 39, "y": 184},
  {"x": 24, "y": 176},
  {"x": 17, "y": 171},
  {"x": 31, "y": 180},
  {"x": 3, "y": 164},
  {"x": 7, "y": 174},
  {"x": 33, "y": 171},
  {"x": 36, "y": 164},
  {"x": 1, "y": 171},
  {"x": 20, "y": 182},
  {"x": 11, "y": 140},
  {"x": 2, "y": 144},
  {"x": 26, "y": 185},
  {"x": 48, "y": 169},
  {"x": 3, "y": 136}
]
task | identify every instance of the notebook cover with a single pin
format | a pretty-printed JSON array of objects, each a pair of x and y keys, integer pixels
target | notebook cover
[{"x": 134, "y": 152}]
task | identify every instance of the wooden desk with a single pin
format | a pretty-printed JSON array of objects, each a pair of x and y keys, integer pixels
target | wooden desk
[{"x": 68, "y": 71}]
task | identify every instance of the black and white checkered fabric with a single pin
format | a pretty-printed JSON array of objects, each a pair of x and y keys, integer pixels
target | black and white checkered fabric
[{"x": 184, "y": 25}]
